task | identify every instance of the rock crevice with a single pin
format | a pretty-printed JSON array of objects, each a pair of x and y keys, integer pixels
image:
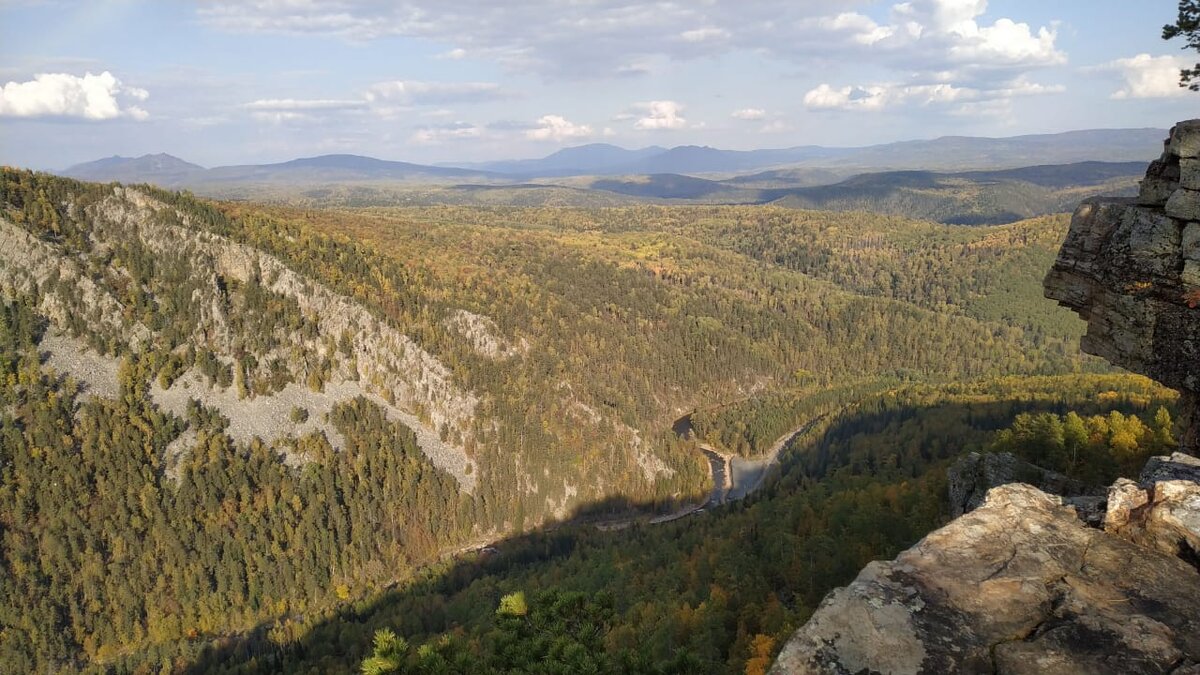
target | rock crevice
[
  {"x": 1131, "y": 269},
  {"x": 1021, "y": 583}
]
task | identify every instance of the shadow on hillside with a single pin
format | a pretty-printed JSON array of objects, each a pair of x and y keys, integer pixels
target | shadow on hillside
[
  {"x": 329, "y": 639},
  {"x": 426, "y": 605}
]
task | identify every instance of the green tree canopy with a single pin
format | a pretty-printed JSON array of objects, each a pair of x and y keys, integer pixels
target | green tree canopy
[{"x": 1187, "y": 26}]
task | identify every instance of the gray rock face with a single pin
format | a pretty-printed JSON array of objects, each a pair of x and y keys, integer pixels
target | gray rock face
[
  {"x": 1162, "y": 510},
  {"x": 1189, "y": 173},
  {"x": 1177, "y": 466},
  {"x": 1185, "y": 139},
  {"x": 1018, "y": 585},
  {"x": 972, "y": 476},
  {"x": 1184, "y": 204},
  {"x": 1131, "y": 269}
]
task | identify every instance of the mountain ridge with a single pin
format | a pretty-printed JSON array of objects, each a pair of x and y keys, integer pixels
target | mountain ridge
[{"x": 946, "y": 153}]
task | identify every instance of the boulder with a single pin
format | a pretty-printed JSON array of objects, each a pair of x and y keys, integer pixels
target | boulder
[
  {"x": 970, "y": 478},
  {"x": 1176, "y": 466},
  {"x": 1184, "y": 204},
  {"x": 1184, "y": 140},
  {"x": 1156, "y": 191},
  {"x": 1162, "y": 510},
  {"x": 1019, "y": 585},
  {"x": 1189, "y": 173}
]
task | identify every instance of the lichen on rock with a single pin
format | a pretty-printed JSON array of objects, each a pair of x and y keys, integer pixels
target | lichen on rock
[
  {"x": 1019, "y": 585},
  {"x": 1131, "y": 269}
]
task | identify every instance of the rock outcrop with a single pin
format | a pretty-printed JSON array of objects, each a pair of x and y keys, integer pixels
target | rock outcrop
[
  {"x": 1019, "y": 585},
  {"x": 1162, "y": 510},
  {"x": 973, "y": 476},
  {"x": 1131, "y": 269}
]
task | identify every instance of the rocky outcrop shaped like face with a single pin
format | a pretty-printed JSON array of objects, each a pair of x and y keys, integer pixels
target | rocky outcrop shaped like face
[{"x": 1131, "y": 269}]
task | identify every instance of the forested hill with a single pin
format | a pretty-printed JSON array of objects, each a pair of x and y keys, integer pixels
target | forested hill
[{"x": 219, "y": 416}]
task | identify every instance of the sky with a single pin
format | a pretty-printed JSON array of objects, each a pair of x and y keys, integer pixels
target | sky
[{"x": 233, "y": 82}]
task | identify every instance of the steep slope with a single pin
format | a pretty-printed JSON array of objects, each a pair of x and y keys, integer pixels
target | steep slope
[
  {"x": 715, "y": 592},
  {"x": 1131, "y": 269},
  {"x": 1021, "y": 584},
  {"x": 259, "y": 414}
]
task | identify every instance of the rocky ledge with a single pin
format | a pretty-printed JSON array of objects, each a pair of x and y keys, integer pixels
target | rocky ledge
[
  {"x": 1022, "y": 585},
  {"x": 1131, "y": 269},
  {"x": 1029, "y": 582}
]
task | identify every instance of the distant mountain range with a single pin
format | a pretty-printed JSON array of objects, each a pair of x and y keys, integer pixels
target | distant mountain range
[
  {"x": 802, "y": 165},
  {"x": 162, "y": 169},
  {"x": 169, "y": 171},
  {"x": 947, "y": 153},
  {"x": 964, "y": 197}
]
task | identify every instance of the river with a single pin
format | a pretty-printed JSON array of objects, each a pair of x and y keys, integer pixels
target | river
[{"x": 735, "y": 477}]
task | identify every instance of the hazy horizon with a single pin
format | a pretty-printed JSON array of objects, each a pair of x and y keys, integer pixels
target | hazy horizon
[{"x": 468, "y": 162}]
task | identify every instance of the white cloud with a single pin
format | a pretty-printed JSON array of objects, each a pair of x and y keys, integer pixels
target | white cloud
[
  {"x": 1007, "y": 43},
  {"x": 437, "y": 135},
  {"x": 557, "y": 128},
  {"x": 411, "y": 92},
  {"x": 454, "y": 54},
  {"x": 589, "y": 39},
  {"x": 705, "y": 35},
  {"x": 653, "y": 115},
  {"x": 881, "y": 96},
  {"x": 280, "y": 116},
  {"x": 386, "y": 100},
  {"x": 934, "y": 35},
  {"x": 91, "y": 97},
  {"x": 858, "y": 28},
  {"x": 280, "y": 110},
  {"x": 999, "y": 108},
  {"x": 825, "y": 97},
  {"x": 749, "y": 114},
  {"x": 205, "y": 121},
  {"x": 281, "y": 104},
  {"x": 1148, "y": 76}
]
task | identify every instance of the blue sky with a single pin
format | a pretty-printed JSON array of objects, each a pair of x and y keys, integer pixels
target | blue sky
[{"x": 223, "y": 82}]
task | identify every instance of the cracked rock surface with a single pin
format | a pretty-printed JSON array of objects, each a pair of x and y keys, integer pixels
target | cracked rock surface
[
  {"x": 1131, "y": 269},
  {"x": 971, "y": 477},
  {"x": 1019, "y": 585}
]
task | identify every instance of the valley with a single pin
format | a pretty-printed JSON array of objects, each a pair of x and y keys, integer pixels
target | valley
[
  {"x": 299, "y": 412},
  {"x": 349, "y": 337}
]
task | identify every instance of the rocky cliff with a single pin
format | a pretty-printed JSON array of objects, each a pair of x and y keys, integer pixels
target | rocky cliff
[
  {"x": 1131, "y": 269},
  {"x": 1019, "y": 585},
  {"x": 1028, "y": 582}
]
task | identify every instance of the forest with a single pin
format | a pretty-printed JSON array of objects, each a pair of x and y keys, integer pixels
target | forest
[
  {"x": 720, "y": 592},
  {"x": 140, "y": 539}
]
